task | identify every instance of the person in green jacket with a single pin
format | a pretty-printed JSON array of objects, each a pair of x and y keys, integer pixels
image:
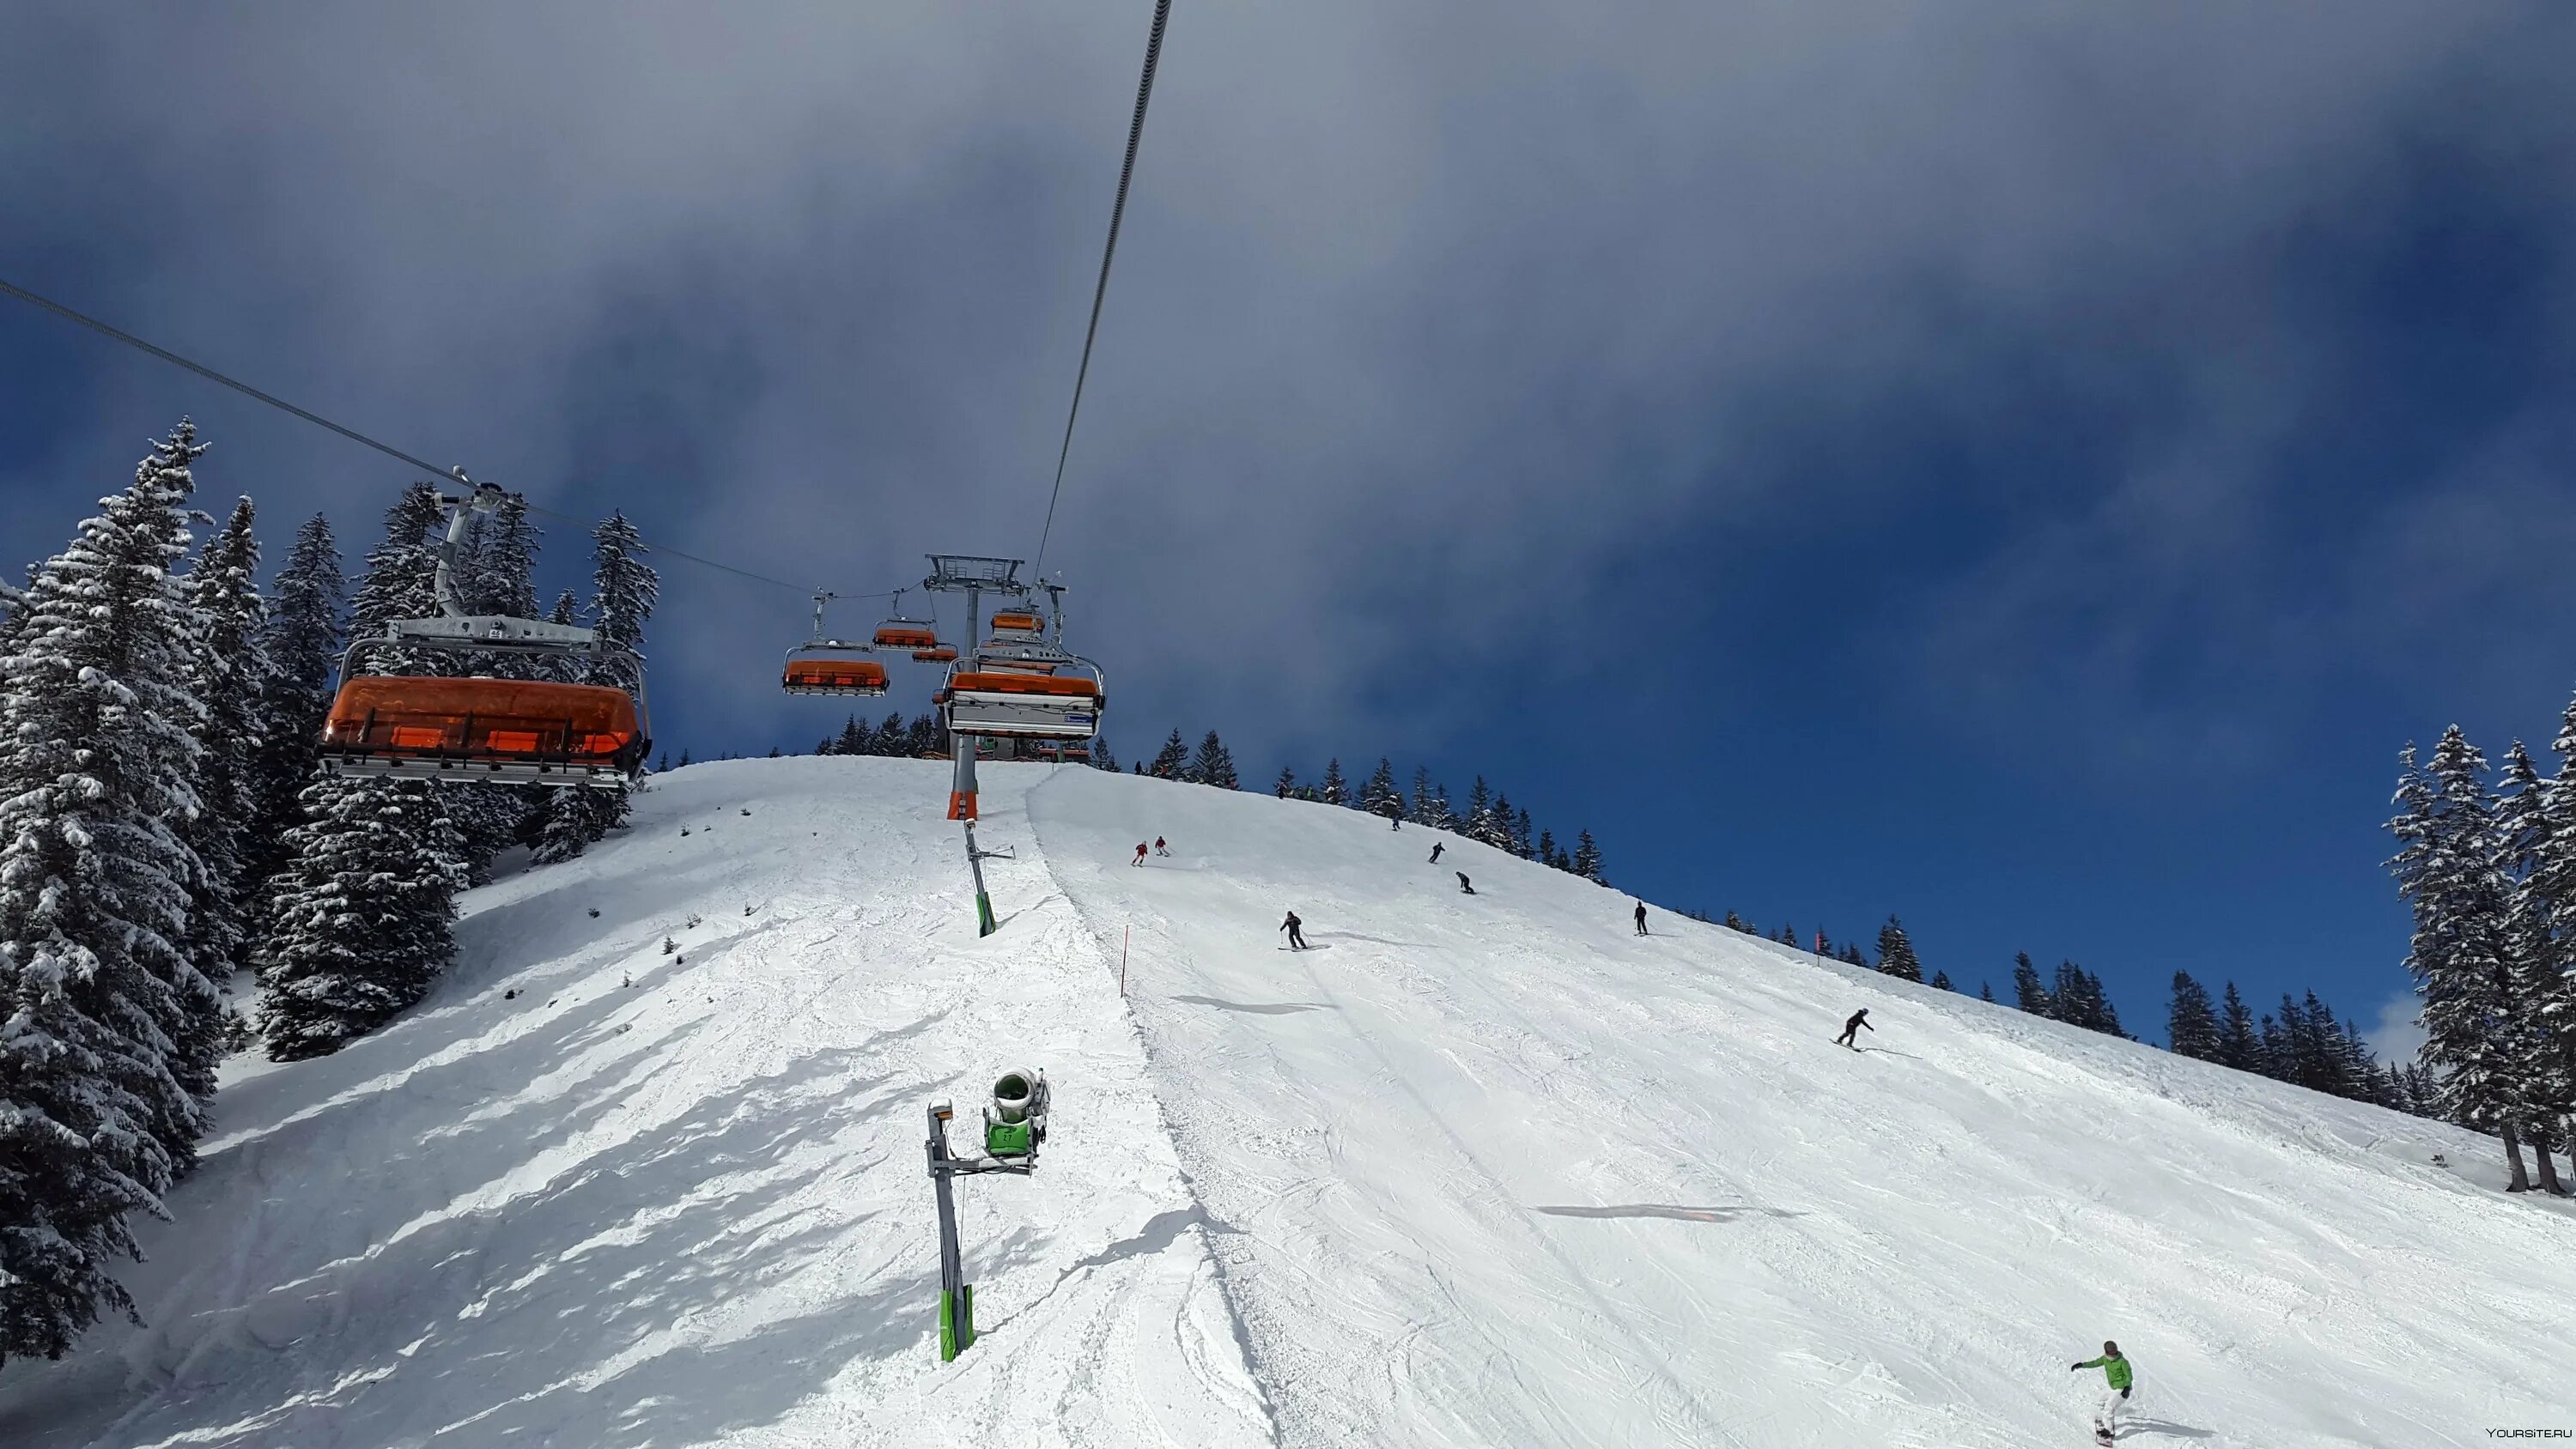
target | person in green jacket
[{"x": 2115, "y": 1369}]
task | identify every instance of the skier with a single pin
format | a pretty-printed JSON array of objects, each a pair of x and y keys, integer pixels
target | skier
[
  {"x": 1159, "y": 848},
  {"x": 1641, "y": 918},
  {"x": 1462, "y": 883},
  {"x": 1437, "y": 846},
  {"x": 1140, "y": 854},
  {"x": 2115, "y": 1370},
  {"x": 1859, "y": 1023},
  {"x": 1394, "y": 821},
  {"x": 1296, "y": 930}
]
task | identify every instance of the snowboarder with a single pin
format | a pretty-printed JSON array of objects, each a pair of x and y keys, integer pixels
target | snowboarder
[
  {"x": 1462, "y": 883},
  {"x": 1859, "y": 1023},
  {"x": 1641, "y": 918},
  {"x": 1159, "y": 848},
  {"x": 2115, "y": 1370},
  {"x": 1438, "y": 846},
  {"x": 1296, "y": 930},
  {"x": 1140, "y": 854}
]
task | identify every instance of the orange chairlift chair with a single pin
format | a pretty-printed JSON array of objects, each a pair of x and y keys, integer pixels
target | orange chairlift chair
[{"x": 475, "y": 727}]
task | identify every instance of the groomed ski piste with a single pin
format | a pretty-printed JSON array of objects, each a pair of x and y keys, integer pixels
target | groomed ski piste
[{"x": 1483, "y": 1170}]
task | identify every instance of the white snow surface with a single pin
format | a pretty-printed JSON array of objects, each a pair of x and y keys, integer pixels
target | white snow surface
[{"x": 1483, "y": 1170}]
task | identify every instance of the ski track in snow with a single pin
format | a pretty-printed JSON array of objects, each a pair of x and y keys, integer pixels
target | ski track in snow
[{"x": 1483, "y": 1170}]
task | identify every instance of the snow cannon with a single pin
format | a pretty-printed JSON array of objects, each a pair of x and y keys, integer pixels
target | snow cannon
[{"x": 1016, "y": 1122}]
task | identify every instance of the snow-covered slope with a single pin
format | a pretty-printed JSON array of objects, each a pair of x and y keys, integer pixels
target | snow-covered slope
[
  {"x": 1482, "y": 1170},
  {"x": 693, "y": 1209}
]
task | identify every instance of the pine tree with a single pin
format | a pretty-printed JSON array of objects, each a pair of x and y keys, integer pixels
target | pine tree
[
  {"x": 1101, "y": 759},
  {"x": 624, "y": 590},
  {"x": 857, "y": 739},
  {"x": 1480, "y": 812},
  {"x": 302, "y": 645},
  {"x": 1896, "y": 954},
  {"x": 1334, "y": 791},
  {"x": 364, "y": 918},
  {"x": 1213, "y": 764},
  {"x": 925, "y": 737},
  {"x": 1587, "y": 858},
  {"x": 1285, "y": 787},
  {"x": 1522, "y": 845},
  {"x": 501, "y": 569},
  {"x": 1985, "y": 991},
  {"x": 1851, "y": 956},
  {"x": 1547, "y": 851},
  {"x": 102, "y": 1008},
  {"x": 1418, "y": 809},
  {"x": 2029, "y": 993},
  {"x": 2445, "y": 869},
  {"x": 2191, "y": 1024},
  {"x": 1788, "y": 934},
  {"x": 2534, "y": 961},
  {"x": 1733, "y": 922},
  {"x": 1941, "y": 981},
  {"x": 1379, "y": 796},
  {"x": 2238, "y": 1045},
  {"x": 1172, "y": 762},
  {"x": 229, "y": 674}
]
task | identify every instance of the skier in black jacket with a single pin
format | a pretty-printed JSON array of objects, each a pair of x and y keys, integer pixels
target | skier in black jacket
[
  {"x": 1641, "y": 918},
  {"x": 1462, "y": 883},
  {"x": 1437, "y": 847},
  {"x": 1296, "y": 930},
  {"x": 1859, "y": 1022}
]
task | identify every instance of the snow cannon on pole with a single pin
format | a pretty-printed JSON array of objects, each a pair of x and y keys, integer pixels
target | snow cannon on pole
[
  {"x": 1016, "y": 1122},
  {"x": 1013, "y": 1127}
]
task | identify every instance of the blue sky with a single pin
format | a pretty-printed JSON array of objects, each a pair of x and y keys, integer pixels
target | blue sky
[{"x": 2026, "y": 469}]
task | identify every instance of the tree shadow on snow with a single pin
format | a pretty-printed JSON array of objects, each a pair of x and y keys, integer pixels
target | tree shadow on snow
[
  {"x": 606, "y": 1289},
  {"x": 1721, "y": 1214},
  {"x": 1259, "y": 1008}
]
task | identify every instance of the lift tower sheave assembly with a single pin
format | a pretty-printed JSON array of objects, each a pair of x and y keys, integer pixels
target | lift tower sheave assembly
[{"x": 973, "y": 576}]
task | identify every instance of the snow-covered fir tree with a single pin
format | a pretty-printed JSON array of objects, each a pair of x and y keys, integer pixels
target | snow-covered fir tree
[
  {"x": 358, "y": 920},
  {"x": 2191, "y": 1023},
  {"x": 1941, "y": 981},
  {"x": 1213, "y": 764},
  {"x": 304, "y": 637},
  {"x": 364, "y": 919},
  {"x": 1285, "y": 787},
  {"x": 1480, "y": 813},
  {"x": 1172, "y": 761},
  {"x": 624, "y": 590},
  {"x": 2445, "y": 868},
  {"x": 1587, "y": 859},
  {"x": 2536, "y": 976},
  {"x": 229, "y": 674},
  {"x": 498, "y": 576},
  {"x": 1101, "y": 759},
  {"x": 2030, "y": 993},
  {"x": 1379, "y": 796},
  {"x": 2238, "y": 1045},
  {"x": 102, "y": 1007},
  {"x": 1334, "y": 790},
  {"x": 1896, "y": 953}
]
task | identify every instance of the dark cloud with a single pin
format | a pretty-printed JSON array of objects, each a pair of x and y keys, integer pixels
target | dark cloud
[{"x": 1431, "y": 322}]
